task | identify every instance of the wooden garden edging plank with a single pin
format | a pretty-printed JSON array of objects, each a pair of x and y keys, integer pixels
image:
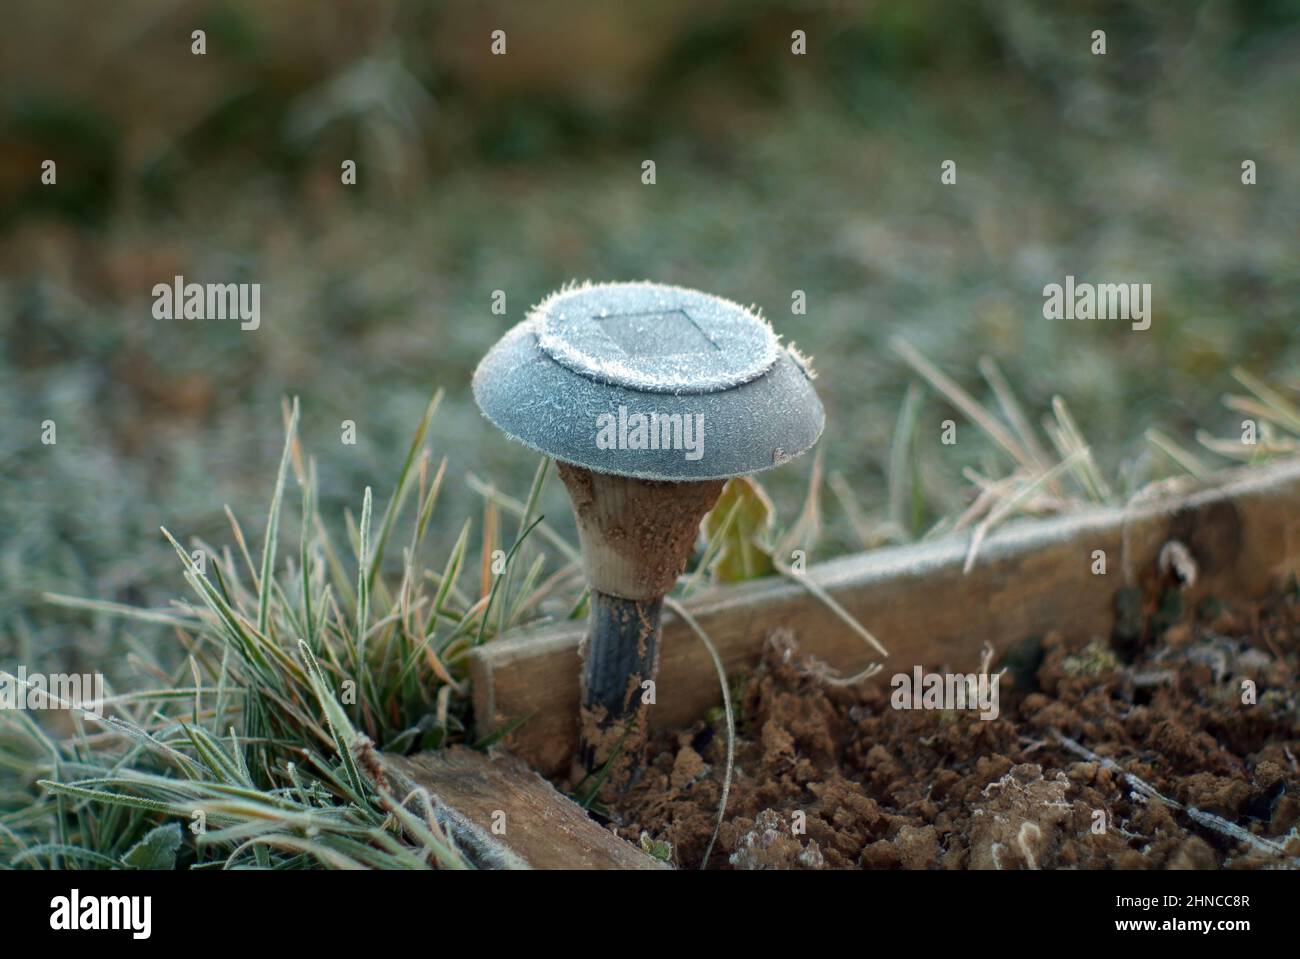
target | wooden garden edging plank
[
  {"x": 542, "y": 828},
  {"x": 1030, "y": 577}
]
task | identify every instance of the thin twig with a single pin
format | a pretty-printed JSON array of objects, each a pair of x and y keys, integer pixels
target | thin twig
[{"x": 1208, "y": 820}]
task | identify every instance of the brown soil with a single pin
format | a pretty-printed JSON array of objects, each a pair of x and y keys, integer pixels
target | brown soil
[{"x": 829, "y": 777}]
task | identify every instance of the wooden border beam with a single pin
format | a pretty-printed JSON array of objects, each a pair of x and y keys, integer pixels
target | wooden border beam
[
  {"x": 503, "y": 815},
  {"x": 1030, "y": 577}
]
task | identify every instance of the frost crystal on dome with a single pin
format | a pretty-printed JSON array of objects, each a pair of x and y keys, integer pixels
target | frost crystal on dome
[{"x": 654, "y": 338}]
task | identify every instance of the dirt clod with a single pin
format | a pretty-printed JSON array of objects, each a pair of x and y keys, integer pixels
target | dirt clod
[{"x": 770, "y": 844}]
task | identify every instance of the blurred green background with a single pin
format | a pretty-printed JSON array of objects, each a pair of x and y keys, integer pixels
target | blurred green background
[{"x": 521, "y": 172}]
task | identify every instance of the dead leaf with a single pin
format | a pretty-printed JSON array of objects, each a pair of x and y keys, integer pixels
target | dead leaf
[{"x": 745, "y": 552}]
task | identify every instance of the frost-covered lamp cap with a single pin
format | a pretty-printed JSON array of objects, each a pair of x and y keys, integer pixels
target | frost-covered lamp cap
[{"x": 597, "y": 375}]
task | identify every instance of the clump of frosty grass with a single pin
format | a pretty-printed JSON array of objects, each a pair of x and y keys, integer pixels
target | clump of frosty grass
[{"x": 259, "y": 749}]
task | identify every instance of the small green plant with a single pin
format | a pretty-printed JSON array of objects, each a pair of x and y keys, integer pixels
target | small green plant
[
  {"x": 1095, "y": 659},
  {"x": 657, "y": 848},
  {"x": 262, "y": 744}
]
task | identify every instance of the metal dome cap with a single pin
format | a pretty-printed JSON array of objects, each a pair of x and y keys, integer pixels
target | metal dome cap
[{"x": 650, "y": 381}]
